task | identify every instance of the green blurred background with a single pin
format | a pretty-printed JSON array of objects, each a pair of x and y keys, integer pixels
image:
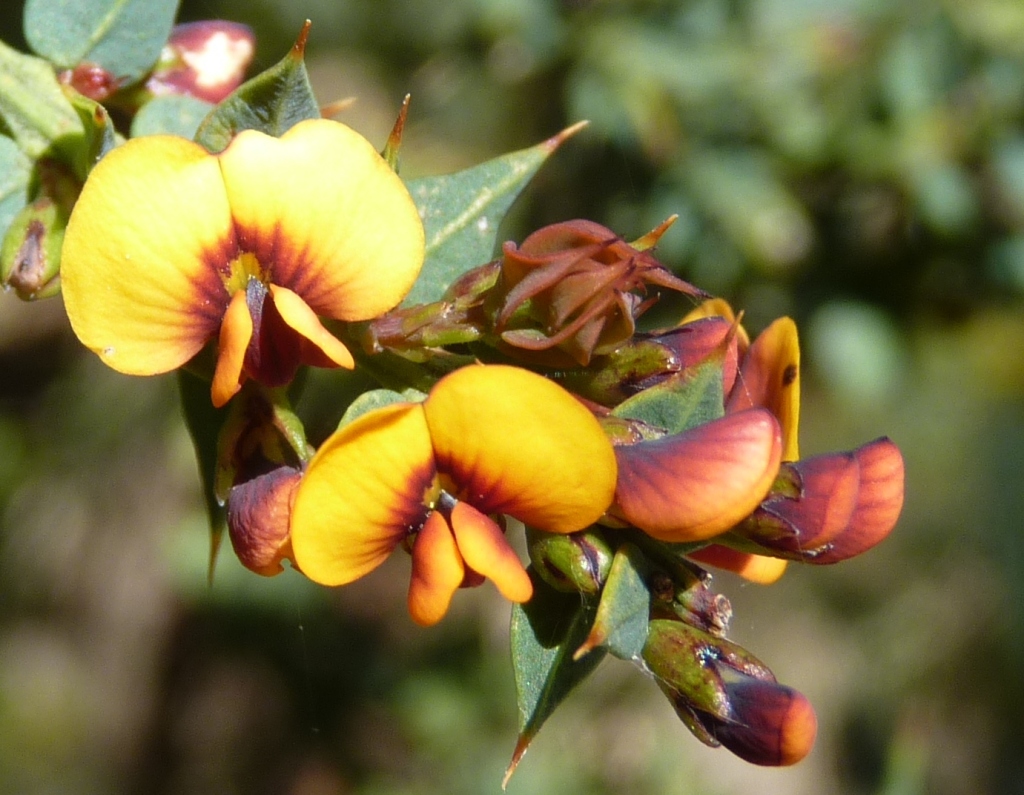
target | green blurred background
[{"x": 857, "y": 164}]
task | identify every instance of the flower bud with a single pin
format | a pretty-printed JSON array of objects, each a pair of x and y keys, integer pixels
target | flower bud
[
  {"x": 258, "y": 514},
  {"x": 647, "y": 360},
  {"x": 30, "y": 255},
  {"x": 727, "y": 697},
  {"x": 771, "y": 724},
  {"x": 691, "y": 661},
  {"x": 415, "y": 331},
  {"x": 577, "y": 562},
  {"x": 573, "y": 290},
  {"x": 90, "y": 80},
  {"x": 206, "y": 60}
]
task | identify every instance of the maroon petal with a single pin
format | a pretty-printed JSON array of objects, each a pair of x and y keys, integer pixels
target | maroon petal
[
  {"x": 694, "y": 485},
  {"x": 879, "y": 502}
]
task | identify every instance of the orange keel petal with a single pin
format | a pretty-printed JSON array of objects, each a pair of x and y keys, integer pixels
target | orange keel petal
[
  {"x": 299, "y": 317},
  {"x": 486, "y": 550},
  {"x": 437, "y": 571},
  {"x": 235, "y": 332}
]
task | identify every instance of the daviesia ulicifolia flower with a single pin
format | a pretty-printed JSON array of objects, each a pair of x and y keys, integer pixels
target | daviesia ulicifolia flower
[
  {"x": 488, "y": 440},
  {"x": 170, "y": 246}
]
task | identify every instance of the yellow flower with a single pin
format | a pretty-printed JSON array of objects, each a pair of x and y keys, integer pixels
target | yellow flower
[
  {"x": 488, "y": 440},
  {"x": 170, "y": 246}
]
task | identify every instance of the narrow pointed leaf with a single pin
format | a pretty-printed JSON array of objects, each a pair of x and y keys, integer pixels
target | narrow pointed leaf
[
  {"x": 204, "y": 423},
  {"x": 623, "y": 613},
  {"x": 272, "y": 102},
  {"x": 122, "y": 36},
  {"x": 462, "y": 212},
  {"x": 545, "y": 633}
]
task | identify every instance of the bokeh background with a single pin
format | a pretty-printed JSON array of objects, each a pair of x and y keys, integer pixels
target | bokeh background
[{"x": 857, "y": 164}]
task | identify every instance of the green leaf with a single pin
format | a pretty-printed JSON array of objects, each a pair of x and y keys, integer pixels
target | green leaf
[
  {"x": 204, "y": 423},
  {"x": 462, "y": 212},
  {"x": 377, "y": 399},
  {"x": 545, "y": 633},
  {"x": 687, "y": 399},
  {"x": 174, "y": 114},
  {"x": 625, "y": 607},
  {"x": 124, "y": 37},
  {"x": 272, "y": 102},
  {"x": 15, "y": 176},
  {"x": 36, "y": 112}
]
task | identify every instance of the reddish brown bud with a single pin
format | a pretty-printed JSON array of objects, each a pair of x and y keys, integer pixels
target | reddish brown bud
[
  {"x": 259, "y": 512},
  {"x": 726, "y": 696},
  {"x": 204, "y": 59},
  {"x": 771, "y": 724},
  {"x": 576, "y": 288},
  {"x": 90, "y": 80}
]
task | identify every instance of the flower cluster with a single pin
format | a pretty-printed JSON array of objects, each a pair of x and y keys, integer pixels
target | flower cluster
[{"x": 523, "y": 396}]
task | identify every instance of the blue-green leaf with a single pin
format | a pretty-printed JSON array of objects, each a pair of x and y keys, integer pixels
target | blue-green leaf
[
  {"x": 33, "y": 108},
  {"x": 687, "y": 399},
  {"x": 15, "y": 174},
  {"x": 462, "y": 212},
  {"x": 124, "y": 37},
  {"x": 173, "y": 114},
  {"x": 545, "y": 633},
  {"x": 625, "y": 607},
  {"x": 272, "y": 102}
]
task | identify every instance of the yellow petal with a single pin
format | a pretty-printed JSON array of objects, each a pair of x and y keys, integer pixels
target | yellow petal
[
  {"x": 517, "y": 443},
  {"x": 762, "y": 569},
  {"x": 770, "y": 377},
  {"x": 437, "y": 571},
  {"x": 297, "y": 314},
  {"x": 485, "y": 550},
  {"x": 235, "y": 333},
  {"x": 714, "y": 307},
  {"x": 362, "y": 494},
  {"x": 326, "y": 215},
  {"x": 140, "y": 255}
]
